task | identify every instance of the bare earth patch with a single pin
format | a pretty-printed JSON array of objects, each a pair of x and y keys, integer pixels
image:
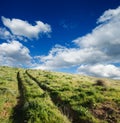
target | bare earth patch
[{"x": 107, "y": 111}]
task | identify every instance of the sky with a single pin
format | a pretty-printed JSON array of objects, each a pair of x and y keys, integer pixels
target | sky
[{"x": 74, "y": 36}]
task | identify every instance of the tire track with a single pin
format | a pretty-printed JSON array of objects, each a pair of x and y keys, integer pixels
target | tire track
[
  {"x": 47, "y": 90},
  {"x": 64, "y": 107},
  {"x": 18, "y": 114}
]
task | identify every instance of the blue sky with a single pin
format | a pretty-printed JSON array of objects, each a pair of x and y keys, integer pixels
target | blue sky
[{"x": 75, "y": 36}]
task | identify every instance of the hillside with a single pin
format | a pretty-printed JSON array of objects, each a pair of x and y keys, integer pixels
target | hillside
[{"x": 35, "y": 96}]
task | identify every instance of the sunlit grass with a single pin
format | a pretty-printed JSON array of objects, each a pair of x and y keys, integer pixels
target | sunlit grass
[
  {"x": 8, "y": 93},
  {"x": 51, "y": 97},
  {"x": 83, "y": 94},
  {"x": 38, "y": 107}
]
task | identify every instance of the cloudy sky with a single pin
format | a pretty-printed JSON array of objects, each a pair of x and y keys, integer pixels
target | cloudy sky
[{"x": 75, "y": 36}]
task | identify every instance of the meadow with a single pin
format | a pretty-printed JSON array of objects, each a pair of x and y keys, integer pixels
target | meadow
[{"x": 36, "y": 96}]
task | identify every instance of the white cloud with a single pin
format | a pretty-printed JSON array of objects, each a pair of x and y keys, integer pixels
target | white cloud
[
  {"x": 23, "y": 28},
  {"x": 109, "y": 14},
  {"x": 14, "y": 54},
  {"x": 100, "y": 70},
  {"x": 106, "y": 34},
  {"x": 5, "y": 34},
  {"x": 105, "y": 37},
  {"x": 101, "y": 46},
  {"x": 62, "y": 57}
]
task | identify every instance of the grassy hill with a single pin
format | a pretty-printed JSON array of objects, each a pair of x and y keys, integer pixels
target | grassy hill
[{"x": 35, "y": 96}]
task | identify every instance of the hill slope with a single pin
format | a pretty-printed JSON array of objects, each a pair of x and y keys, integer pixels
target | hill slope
[{"x": 35, "y": 96}]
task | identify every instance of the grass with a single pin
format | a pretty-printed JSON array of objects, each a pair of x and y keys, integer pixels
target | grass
[
  {"x": 85, "y": 96},
  {"x": 38, "y": 107},
  {"x": 8, "y": 93},
  {"x": 50, "y": 97}
]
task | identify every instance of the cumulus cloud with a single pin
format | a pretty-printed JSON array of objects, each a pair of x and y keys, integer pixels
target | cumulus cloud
[
  {"x": 106, "y": 34},
  {"x": 101, "y": 46},
  {"x": 100, "y": 70},
  {"x": 105, "y": 37},
  {"x": 5, "y": 34},
  {"x": 23, "y": 28},
  {"x": 109, "y": 14},
  {"x": 62, "y": 57},
  {"x": 14, "y": 54}
]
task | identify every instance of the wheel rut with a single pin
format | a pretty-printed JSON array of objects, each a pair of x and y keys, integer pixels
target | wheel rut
[
  {"x": 18, "y": 114},
  {"x": 62, "y": 106}
]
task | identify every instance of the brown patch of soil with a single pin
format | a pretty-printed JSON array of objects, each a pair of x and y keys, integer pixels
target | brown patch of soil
[{"x": 108, "y": 111}]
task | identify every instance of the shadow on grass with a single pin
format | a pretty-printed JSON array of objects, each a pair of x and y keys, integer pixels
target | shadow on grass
[{"x": 18, "y": 113}]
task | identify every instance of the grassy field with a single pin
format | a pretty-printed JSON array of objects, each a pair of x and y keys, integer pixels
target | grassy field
[
  {"x": 35, "y": 96},
  {"x": 8, "y": 93}
]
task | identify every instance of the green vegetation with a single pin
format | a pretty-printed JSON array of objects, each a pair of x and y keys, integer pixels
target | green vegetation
[
  {"x": 8, "y": 93},
  {"x": 38, "y": 107},
  {"x": 35, "y": 96},
  {"x": 84, "y": 99}
]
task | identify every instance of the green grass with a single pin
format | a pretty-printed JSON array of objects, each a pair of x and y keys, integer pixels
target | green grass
[
  {"x": 38, "y": 107},
  {"x": 83, "y": 95},
  {"x": 8, "y": 93},
  {"x": 51, "y": 97}
]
